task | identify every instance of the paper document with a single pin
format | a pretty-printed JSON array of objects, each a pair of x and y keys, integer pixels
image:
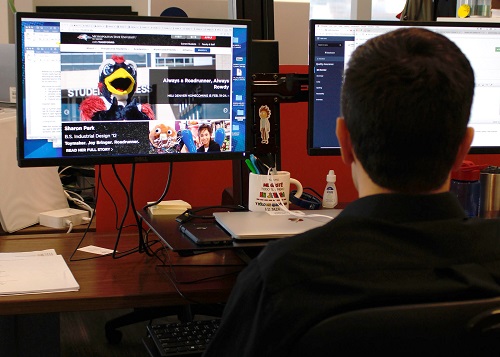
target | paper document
[
  {"x": 22, "y": 255},
  {"x": 35, "y": 274},
  {"x": 96, "y": 250}
]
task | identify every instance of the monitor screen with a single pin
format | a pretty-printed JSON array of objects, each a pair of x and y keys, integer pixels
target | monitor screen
[
  {"x": 332, "y": 41},
  {"x": 98, "y": 89}
]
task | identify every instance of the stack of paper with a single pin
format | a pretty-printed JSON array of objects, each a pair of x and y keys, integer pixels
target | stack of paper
[
  {"x": 35, "y": 273},
  {"x": 173, "y": 208}
]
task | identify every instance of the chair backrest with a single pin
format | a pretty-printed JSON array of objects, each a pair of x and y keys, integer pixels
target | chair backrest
[{"x": 466, "y": 328}]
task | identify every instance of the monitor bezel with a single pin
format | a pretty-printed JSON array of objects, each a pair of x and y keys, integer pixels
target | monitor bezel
[
  {"x": 335, "y": 151},
  {"x": 125, "y": 159}
]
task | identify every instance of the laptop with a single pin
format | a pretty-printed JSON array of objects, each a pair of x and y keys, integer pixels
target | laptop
[{"x": 264, "y": 225}]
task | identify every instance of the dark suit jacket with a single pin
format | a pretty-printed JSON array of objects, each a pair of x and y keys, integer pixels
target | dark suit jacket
[{"x": 381, "y": 250}]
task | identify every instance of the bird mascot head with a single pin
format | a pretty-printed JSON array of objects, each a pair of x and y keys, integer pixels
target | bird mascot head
[{"x": 118, "y": 78}]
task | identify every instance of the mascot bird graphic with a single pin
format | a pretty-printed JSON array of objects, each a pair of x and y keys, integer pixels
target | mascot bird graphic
[{"x": 117, "y": 85}]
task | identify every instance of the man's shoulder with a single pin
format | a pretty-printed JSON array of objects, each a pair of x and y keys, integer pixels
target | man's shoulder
[
  {"x": 343, "y": 237},
  {"x": 320, "y": 241}
]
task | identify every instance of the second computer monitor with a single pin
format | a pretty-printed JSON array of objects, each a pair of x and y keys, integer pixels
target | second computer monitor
[{"x": 331, "y": 43}]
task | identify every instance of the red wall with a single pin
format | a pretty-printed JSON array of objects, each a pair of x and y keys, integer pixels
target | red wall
[{"x": 202, "y": 183}]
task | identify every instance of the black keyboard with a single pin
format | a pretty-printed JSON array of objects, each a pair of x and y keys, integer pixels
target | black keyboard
[{"x": 182, "y": 338}]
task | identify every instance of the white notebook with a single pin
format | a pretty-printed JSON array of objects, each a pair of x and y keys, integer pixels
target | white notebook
[
  {"x": 263, "y": 225},
  {"x": 24, "y": 192},
  {"x": 32, "y": 273}
]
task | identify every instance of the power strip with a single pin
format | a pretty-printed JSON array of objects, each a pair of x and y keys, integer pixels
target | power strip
[{"x": 63, "y": 218}]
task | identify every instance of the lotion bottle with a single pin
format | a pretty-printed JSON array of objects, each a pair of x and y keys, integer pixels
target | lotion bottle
[{"x": 330, "y": 198}]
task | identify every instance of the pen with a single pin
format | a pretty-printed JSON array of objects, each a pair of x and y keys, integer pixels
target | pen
[
  {"x": 260, "y": 165},
  {"x": 255, "y": 165},
  {"x": 250, "y": 166}
]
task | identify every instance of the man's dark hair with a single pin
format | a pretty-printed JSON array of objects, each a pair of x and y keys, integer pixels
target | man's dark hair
[{"x": 406, "y": 101}]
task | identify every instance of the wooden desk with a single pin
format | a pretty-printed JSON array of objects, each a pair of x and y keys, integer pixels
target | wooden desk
[
  {"x": 39, "y": 229},
  {"x": 167, "y": 229},
  {"x": 135, "y": 280},
  {"x": 31, "y": 322}
]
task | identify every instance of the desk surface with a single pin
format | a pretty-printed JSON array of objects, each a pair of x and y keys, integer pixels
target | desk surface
[
  {"x": 135, "y": 280},
  {"x": 167, "y": 229},
  {"x": 39, "y": 229}
]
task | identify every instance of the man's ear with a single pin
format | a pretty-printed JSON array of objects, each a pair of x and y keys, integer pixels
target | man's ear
[
  {"x": 463, "y": 149},
  {"x": 345, "y": 141}
]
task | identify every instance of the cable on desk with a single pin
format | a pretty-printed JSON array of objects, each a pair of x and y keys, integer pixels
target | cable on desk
[
  {"x": 70, "y": 226},
  {"x": 96, "y": 198},
  {"x": 78, "y": 200},
  {"x": 151, "y": 243},
  {"x": 124, "y": 216},
  {"x": 165, "y": 191},
  {"x": 142, "y": 245},
  {"x": 139, "y": 219},
  {"x": 88, "y": 227},
  {"x": 193, "y": 213},
  {"x": 87, "y": 187},
  {"x": 100, "y": 183}
]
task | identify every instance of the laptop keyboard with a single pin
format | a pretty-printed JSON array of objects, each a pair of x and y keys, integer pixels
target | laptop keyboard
[{"x": 182, "y": 338}]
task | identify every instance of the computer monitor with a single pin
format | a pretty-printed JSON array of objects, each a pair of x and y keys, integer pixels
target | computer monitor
[
  {"x": 99, "y": 89},
  {"x": 331, "y": 43}
]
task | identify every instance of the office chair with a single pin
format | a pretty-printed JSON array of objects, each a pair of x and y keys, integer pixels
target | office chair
[{"x": 465, "y": 328}]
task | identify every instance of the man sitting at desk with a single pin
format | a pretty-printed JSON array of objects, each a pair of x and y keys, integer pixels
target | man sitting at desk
[{"x": 406, "y": 103}]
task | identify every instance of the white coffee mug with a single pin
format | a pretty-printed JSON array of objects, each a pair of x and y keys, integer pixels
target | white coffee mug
[{"x": 271, "y": 192}]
